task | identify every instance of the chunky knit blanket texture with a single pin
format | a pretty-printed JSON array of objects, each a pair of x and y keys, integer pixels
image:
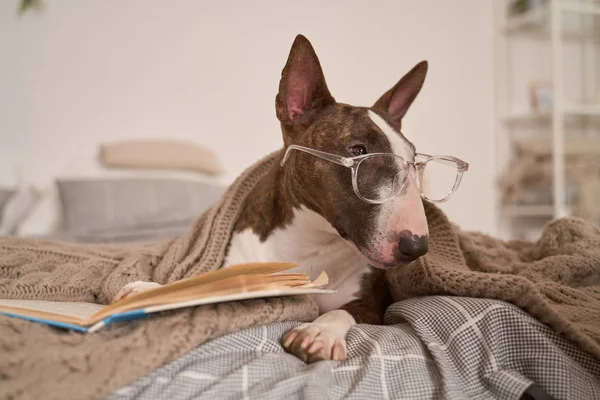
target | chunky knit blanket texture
[{"x": 556, "y": 279}]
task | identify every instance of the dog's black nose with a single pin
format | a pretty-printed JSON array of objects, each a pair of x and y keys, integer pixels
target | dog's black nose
[{"x": 412, "y": 246}]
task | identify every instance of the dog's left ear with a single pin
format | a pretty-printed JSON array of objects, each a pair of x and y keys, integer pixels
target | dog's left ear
[
  {"x": 396, "y": 101},
  {"x": 303, "y": 91}
]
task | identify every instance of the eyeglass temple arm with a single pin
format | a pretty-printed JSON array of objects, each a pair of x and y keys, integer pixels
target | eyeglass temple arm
[
  {"x": 321, "y": 154},
  {"x": 463, "y": 166}
]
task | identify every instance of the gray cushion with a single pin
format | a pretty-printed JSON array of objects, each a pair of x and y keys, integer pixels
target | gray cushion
[
  {"x": 90, "y": 205},
  {"x": 125, "y": 235}
]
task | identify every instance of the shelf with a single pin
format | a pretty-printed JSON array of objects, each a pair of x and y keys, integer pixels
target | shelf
[
  {"x": 575, "y": 145},
  {"x": 580, "y": 7},
  {"x": 535, "y": 23},
  {"x": 528, "y": 119},
  {"x": 531, "y": 211},
  {"x": 586, "y": 110},
  {"x": 533, "y": 20},
  {"x": 574, "y": 114}
]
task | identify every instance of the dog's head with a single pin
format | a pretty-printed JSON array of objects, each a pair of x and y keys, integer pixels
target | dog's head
[{"x": 388, "y": 234}]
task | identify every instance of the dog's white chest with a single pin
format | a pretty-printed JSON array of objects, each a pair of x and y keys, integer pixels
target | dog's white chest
[{"x": 311, "y": 242}]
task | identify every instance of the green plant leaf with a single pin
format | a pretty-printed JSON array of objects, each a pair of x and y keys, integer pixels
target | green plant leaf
[{"x": 30, "y": 5}]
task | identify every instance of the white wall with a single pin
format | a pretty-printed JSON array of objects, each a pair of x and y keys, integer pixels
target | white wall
[{"x": 87, "y": 71}]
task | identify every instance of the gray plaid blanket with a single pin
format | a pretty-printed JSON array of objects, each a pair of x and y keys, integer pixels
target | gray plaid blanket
[{"x": 434, "y": 347}]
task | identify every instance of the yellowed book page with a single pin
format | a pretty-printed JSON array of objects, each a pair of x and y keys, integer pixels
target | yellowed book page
[
  {"x": 240, "y": 284},
  {"x": 321, "y": 280},
  {"x": 226, "y": 296},
  {"x": 222, "y": 273},
  {"x": 62, "y": 311},
  {"x": 243, "y": 283}
]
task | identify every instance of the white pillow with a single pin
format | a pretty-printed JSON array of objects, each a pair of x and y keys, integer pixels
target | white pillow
[
  {"x": 45, "y": 218},
  {"x": 18, "y": 208}
]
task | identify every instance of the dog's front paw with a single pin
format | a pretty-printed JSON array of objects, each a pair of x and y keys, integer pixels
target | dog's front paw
[
  {"x": 133, "y": 288},
  {"x": 313, "y": 342}
]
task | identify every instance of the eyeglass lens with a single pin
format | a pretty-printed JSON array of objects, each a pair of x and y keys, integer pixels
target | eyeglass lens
[
  {"x": 382, "y": 176},
  {"x": 438, "y": 178}
]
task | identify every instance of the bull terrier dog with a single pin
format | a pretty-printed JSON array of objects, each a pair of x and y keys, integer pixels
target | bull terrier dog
[{"x": 346, "y": 198}]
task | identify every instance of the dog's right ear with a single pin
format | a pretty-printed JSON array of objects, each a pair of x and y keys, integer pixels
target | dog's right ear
[
  {"x": 303, "y": 91},
  {"x": 396, "y": 101}
]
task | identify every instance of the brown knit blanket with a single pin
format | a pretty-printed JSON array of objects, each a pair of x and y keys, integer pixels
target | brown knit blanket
[
  {"x": 39, "y": 362},
  {"x": 556, "y": 280}
]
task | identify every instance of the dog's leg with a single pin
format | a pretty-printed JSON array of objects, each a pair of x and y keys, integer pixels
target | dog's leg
[
  {"x": 374, "y": 299},
  {"x": 325, "y": 337},
  {"x": 322, "y": 339}
]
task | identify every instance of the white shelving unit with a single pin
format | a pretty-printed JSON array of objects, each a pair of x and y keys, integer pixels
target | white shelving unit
[{"x": 546, "y": 25}]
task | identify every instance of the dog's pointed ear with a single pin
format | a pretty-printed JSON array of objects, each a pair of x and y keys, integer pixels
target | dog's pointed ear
[
  {"x": 396, "y": 101},
  {"x": 302, "y": 88}
]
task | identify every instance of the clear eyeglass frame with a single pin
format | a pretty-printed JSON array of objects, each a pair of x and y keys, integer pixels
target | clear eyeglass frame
[{"x": 419, "y": 166}]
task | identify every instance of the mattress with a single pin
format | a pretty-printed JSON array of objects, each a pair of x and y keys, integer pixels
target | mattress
[{"x": 429, "y": 348}]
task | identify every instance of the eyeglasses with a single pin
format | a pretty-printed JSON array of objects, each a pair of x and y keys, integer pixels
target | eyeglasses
[{"x": 378, "y": 177}]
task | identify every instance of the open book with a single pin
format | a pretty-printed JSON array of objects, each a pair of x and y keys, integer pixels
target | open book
[{"x": 238, "y": 282}]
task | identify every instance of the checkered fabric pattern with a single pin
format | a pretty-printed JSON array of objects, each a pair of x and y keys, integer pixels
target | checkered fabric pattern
[{"x": 430, "y": 348}]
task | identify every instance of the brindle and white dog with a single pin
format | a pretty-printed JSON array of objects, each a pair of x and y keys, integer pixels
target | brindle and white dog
[{"x": 320, "y": 211}]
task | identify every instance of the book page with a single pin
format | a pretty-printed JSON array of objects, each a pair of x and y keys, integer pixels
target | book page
[
  {"x": 227, "y": 295},
  {"x": 236, "y": 283},
  {"x": 258, "y": 268},
  {"x": 70, "y": 309}
]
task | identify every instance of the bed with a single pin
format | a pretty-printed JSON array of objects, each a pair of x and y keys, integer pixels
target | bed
[
  {"x": 432, "y": 347},
  {"x": 479, "y": 349}
]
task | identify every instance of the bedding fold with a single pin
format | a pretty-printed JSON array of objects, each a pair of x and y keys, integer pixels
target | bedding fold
[{"x": 556, "y": 279}]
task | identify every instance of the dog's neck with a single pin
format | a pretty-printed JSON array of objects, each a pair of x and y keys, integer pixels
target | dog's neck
[
  {"x": 276, "y": 225},
  {"x": 271, "y": 203},
  {"x": 275, "y": 204}
]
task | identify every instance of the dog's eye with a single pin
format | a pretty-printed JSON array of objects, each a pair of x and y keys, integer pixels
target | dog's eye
[{"x": 358, "y": 150}]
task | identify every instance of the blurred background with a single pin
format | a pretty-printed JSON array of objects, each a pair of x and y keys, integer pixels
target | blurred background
[{"x": 91, "y": 88}]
